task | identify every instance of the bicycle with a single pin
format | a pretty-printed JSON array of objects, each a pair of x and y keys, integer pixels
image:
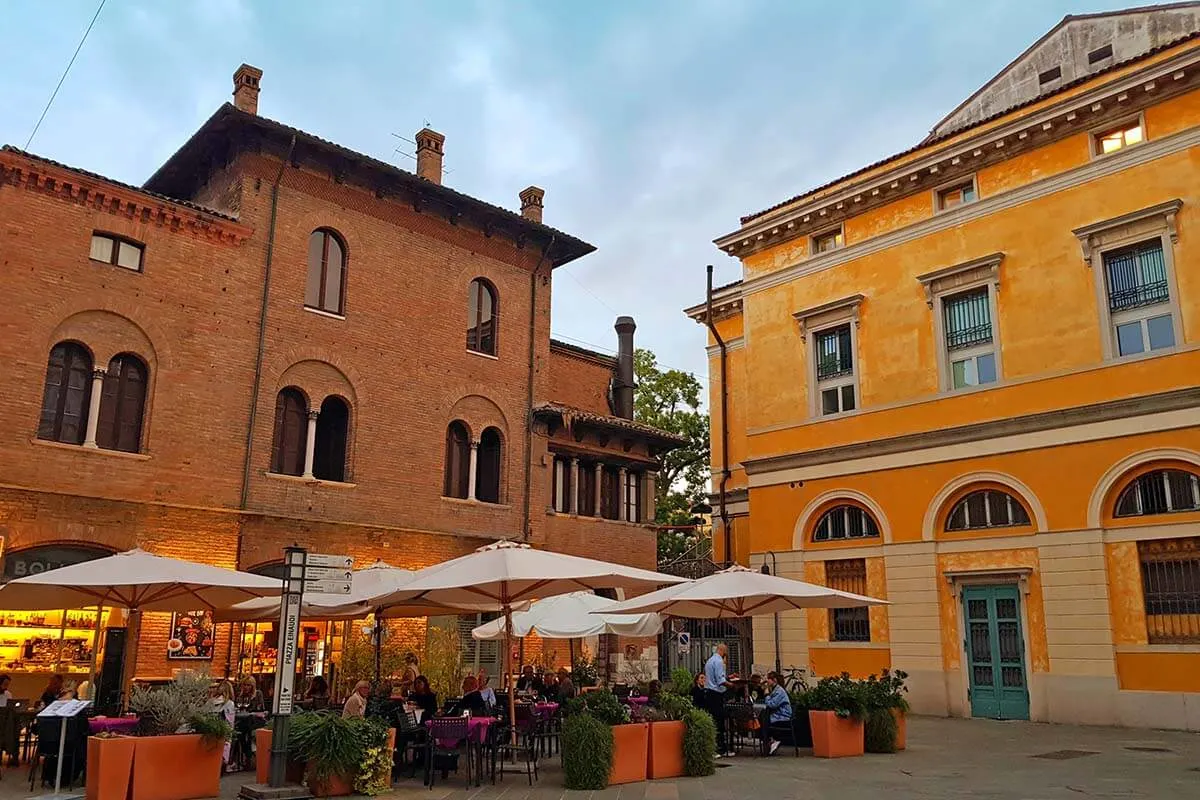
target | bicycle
[{"x": 795, "y": 679}]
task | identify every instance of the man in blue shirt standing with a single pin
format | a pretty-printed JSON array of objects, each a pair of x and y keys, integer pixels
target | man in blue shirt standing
[
  {"x": 778, "y": 710},
  {"x": 714, "y": 691}
]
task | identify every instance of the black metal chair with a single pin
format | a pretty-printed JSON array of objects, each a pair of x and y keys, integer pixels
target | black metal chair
[
  {"x": 411, "y": 740},
  {"x": 741, "y": 730},
  {"x": 525, "y": 745},
  {"x": 794, "y": 731},
  {"x": 448, "y": 739}
]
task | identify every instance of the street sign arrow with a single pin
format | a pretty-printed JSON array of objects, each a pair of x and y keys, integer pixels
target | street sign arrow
[
  {"x": 327, "y": 587},
  {"x": 312, "y": 573},
  {"x": 326, "y": 560}
]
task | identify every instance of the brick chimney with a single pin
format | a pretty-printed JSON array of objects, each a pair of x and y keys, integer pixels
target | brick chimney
[
  {"x": 429, "y": 155},
  {"x": 245, "y": 88},
  {"x": 531, "y": 203},
  {"x": 623, "y": 382}
]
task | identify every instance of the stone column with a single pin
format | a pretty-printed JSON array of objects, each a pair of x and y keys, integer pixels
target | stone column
[
  {"x": 623, "y": 482},
  {"x": 310, "y": 444},
  {"x": 471, "y": 470},
  {"x": 599, "y": 483},
  {"x": 93, "y": 417},
  {"x": 573, "y": 495}
]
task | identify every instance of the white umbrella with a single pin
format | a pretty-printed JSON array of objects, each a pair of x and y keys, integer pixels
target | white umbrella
[
  {"x": 740, "y": 592},
  {"x": 508, "y": 573},
  {"x": 570, "y": 616},
  {"x": 138, "y": 581}
]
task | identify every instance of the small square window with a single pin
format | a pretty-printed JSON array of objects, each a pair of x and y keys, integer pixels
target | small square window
[
  {"x": 1049, "y": 76},
  {"x": 1161, "y": 332},
  {"x": 1100, "y": 53},
  {"x": 956, "y": 195},
  {"x": 1110, "y": 141},
  {"x": 829, "y": 240},
  {"x": 102, "y": 248},
  {"x": 114, "y": 250},
  {"x": 1129, "y": 338}
]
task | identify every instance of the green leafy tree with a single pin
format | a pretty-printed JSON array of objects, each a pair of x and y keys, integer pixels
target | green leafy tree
[{"x": 669, "y": 399}]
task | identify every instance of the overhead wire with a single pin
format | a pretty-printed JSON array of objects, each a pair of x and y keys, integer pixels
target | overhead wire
[{"x": 66, "y": 72}]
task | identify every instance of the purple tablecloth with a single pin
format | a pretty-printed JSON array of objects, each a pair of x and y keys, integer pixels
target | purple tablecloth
[
  {"x": 637, "y": 701},
  {"x": 112, "y": 724},
  {"x": 545, "y": 710},
  {"x": 477, "y": 728}
]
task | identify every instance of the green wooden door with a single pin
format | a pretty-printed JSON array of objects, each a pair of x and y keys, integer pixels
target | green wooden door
[{"x": 995, "y": 652}]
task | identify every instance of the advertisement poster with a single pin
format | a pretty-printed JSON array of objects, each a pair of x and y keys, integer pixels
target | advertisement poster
[{"x": 191, "y": 636}]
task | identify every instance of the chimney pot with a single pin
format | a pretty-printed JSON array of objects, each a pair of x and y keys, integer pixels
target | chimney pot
[
  {"x": 245, "y": 88},
  {"x": 532, "y": 203},
  {"x": 429, "y": 155},
  {"x": 623, "y": 385}
]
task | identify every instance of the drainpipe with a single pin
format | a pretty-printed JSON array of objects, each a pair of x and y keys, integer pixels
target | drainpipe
[
  {"x": 529, "y": 395},
  {"x": 774, "y": 570},
  {"x": 708, "y": 317}
]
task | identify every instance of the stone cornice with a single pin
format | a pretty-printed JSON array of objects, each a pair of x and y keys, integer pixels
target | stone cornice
[
  {"x": 962, "y": 157},
  {"x": 987, "y": 266},
  {"x": 1167, "y": 211},
  {"x": 96, "y": 193}
]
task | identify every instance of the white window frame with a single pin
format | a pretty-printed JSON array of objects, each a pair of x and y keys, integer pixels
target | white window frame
[
  {"x": 955, "y": 280},
  {"x": 560, "y": 499},
  {"x": 1117, "y": 233},
  {"x": 939, "y": 206},
  {"x": 1123, "y": 124},
  {"x": 629, "y": 495},
  {"x": 818, "y": 319},
  {"x": 834, "y": 230}
]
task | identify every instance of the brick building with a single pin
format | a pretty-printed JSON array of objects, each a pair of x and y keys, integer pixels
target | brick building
[{"x": 264, "y": 345}]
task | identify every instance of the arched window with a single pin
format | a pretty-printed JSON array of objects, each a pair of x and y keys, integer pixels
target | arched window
[
  {"x": 458, "y": 461},
  {"x": 487, "y": 471},
  {"x": 986, "y": 508},
  {"x": 291, "y": 432},
  {"x": 121, "y": 404},
  {"x": 326, "y": 272},
  {"x": 845, "y": 522},
  {"x": 333, "y": 428},
  {"x": 67, "y": 394},
  {"x": 1163, "y": 491},
  {"x": 482, "y": 313}
]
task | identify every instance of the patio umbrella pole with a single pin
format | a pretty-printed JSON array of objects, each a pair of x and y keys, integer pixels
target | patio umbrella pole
[
  {"x": 131, "y": 633},
  {"x": 512, "y": 686},
  {"x": 95, "y": 654},
  {"x": 378, "y": 644}
]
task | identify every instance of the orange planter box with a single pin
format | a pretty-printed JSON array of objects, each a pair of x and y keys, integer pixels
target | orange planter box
[
  {"x": 180, "y": 767},
  {"x": 109, "y": 767},
  {"x": 334, "y": 786},
  {"x": 834, "y": 736},
  {"x": 262, "y": 754},
  {"x": 630, "y": 747},
  {"x": 666, "y": 750},
  {"x": 901, "y": 728}
]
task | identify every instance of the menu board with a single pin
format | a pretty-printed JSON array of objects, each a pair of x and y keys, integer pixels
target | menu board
[{"x": 191, "y": 636}]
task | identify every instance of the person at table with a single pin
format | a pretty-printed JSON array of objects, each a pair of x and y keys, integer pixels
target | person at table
[
  {"x": 488, "y": 693},
  {"x": 318, "y": 693},
  {"x": 5, "y": 694},
  {"x": 755, "y": 690},
  {"x": 380, "y": 704},
  {"x": 423, "y": 697},
  {"x": 471, "y": 700},
  {"x": 529, "y": 681},
  {"x": 356, "y": 703},
  {"x": 566, "y": 686},
  {"x": 550, "y": 687},
  {"x": 68, "y": 691},
  {"x": 778, "y": 709},
  {"x": 249, "y": 698},
  {"x": 653, "y": 692},
  {"x": 698, "y": 695},
  {"x": 717, "y": 684},
  {"x": 50, "y": 693},
  {"x": 412, "y": 669}
]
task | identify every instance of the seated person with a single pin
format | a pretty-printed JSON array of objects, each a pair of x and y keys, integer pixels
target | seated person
[
  {"x": 380, "y": 705},
  {"x": 423, "y": 697},
  {"x": 698, "y": 697},
  {"x": 529, "y": 682},
  {"x": 755, "y": 691},
  {"x": 566, "y": 686},
  {"x": 489, "y": 694},
  {"x": 471, "y": 700},
  {"x": 550, "y": 687},
  {"x": 652, "y": 693},
  {"x": 778, "y": 709},
  {"x": 356, "y": 703}
]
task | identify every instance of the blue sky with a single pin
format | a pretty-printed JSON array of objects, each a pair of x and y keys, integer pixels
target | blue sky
[{"x": 652, "y": 125}]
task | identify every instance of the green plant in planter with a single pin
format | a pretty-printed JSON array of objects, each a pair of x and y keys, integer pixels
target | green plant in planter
[
  {"x": 375, "y": 771},
  {"x": 880, "y": 731},
  {"x": 329, "y": 744},
  {"x": 602, "y": 704},
  {"x": 674, "y": 706},
  {"x": 585, "y": 673},
  {"x": 213, "y": 729},
  {"x": 164, "y": 710},
  {"x": 587, "y": 752},
  {"x": 842, "y": 695},
  {"x": 681, "y": 680},
  {"x": 699, "y": 743},
  {"x": 881, "y": 696}
]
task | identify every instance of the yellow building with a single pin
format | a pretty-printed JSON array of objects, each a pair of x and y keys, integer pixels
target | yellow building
[{"x": 965, "y": 379}]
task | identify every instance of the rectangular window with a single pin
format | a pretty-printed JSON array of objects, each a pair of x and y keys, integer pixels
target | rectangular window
[
  {"x": 1120, "y": 137},
  {"x": 836, "y": 383},
  {"x": 1099, "y": 54},
  {"x": 848, "y": 624},
  {"x": 1171, "y": 589},
  {"x": 828, "y": 240},
  {"x": 956, "y": 195},
  {"x": 610, "y": 493},
  {"x": 970, "y": 345},
  {"x": 1139, "y": 298},
  {"x": 1049, "y": 76},
  {"x": 633, "y": 496},
  {"x": 116, "y": 251},
  {"x": 562, "y": 484},
  {"x": 586, "y": 497}
]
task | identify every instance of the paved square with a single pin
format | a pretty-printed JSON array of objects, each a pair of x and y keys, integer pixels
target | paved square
[{"x": 947, "y": 758}]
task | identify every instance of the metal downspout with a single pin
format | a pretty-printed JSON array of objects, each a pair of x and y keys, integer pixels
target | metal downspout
[{"x": 708, "y": 317}]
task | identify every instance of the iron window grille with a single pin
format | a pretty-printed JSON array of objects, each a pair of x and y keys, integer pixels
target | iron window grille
[
  {"x": 845, "y": 522},
  {"x": 1164, "y": 491},
  {"x": 986, "y": 508},
  {"x": 848, "y": 624},
  {"x": 1171, "y": 589},
  {"x": 968, "y": 319}
]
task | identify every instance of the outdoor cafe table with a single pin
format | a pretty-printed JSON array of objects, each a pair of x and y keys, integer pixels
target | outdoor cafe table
[
  {"x": 545, "y": 710},
  {"x": 477, "y": 730},
  {"x": 125, "y": 725},
  {"x": 637, "y": 701}
]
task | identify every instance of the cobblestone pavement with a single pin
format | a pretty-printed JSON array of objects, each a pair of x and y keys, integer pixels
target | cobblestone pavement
[{"x": 947, "y": 758}]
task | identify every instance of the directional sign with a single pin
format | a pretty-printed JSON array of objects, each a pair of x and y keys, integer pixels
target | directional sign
[
  {"x": 312, "y": 573},
  {"x": 324, "y": 560},
  {"x": 327, "y": 587},
  {"x": 290, "y": 619}
]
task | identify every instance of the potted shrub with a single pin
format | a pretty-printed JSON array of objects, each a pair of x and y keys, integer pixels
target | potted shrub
[
  {"x": 801, "y": 725},
  {"x": 699, "y": 743},
  {"x": 171, "y": 760},
  {"x": 109, "y": 766},
  {"x": 587, "y": 752},
  {"x": 667, "y": 730},
  {"x": 836, "y": 714},
  {"x": 379, "y": 743},
  {"x": 631, "y": 740},
  {"x": 681, "y": 681},
  {"x": 884, "y": 730},
  {"x": 332, "y": 748}
]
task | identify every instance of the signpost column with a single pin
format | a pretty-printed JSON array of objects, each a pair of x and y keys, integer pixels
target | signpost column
[{"x": 285, "y": 669}]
